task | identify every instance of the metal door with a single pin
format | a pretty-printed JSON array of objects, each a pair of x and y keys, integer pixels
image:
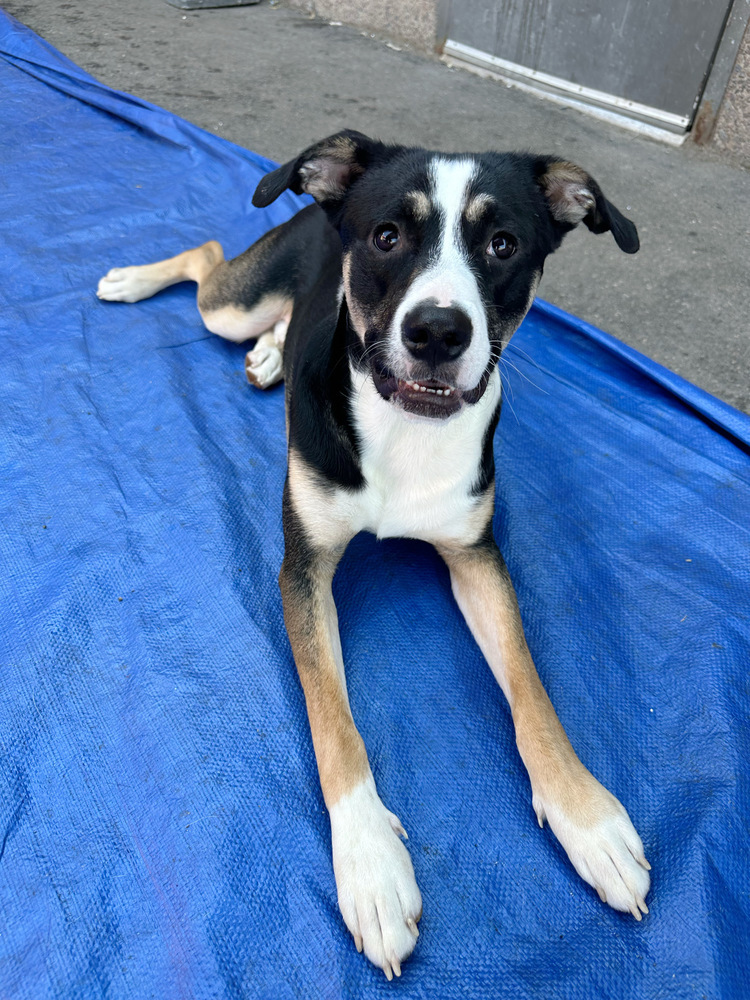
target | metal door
[{"x": 646, "y": 58}]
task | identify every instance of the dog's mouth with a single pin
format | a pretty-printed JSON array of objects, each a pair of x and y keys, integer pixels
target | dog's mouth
[{"x": 426, "y": 397}]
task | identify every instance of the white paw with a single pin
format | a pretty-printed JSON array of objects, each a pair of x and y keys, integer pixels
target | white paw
[
  {"x": 264, "y": 366},
  {"x": 601, "y": 842},
  {"x": 127, "y": 284},
  {"x": 378, "y": 894}
]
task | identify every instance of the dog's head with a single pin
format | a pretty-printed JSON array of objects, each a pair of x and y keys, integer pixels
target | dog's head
[{"x": 441, "y": 253}]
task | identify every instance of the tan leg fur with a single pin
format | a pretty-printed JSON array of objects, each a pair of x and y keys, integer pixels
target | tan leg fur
[{"x": 312, "y": 623}]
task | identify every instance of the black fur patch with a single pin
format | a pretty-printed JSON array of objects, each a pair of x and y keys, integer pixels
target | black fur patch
[{"x": 319, "y": 389}]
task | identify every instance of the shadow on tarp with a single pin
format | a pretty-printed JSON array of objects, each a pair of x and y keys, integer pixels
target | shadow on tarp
[{"x": 162, "y": 833}]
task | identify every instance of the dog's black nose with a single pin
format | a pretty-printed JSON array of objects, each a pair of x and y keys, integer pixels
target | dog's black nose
[{"x": 435, "y": 334}]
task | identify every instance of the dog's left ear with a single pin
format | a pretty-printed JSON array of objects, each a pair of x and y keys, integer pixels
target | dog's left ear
[
  {"x": 326, "y": 170},
  {"x": 574, "y": 196}
]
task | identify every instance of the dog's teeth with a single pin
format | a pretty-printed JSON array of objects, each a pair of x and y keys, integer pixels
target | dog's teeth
[{"x": 416, "y": 387}]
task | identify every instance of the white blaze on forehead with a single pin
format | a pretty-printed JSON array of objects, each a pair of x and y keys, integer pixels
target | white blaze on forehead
[
  {"x": 448, "y": 279},
  {"x": 451, "y": 179}
]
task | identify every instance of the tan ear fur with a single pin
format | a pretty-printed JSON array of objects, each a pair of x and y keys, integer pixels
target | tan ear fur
[
  {"x": 330, "y": 170},
  {"x": 568, "y": 192}
]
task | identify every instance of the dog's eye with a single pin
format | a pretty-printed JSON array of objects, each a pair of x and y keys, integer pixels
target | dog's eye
[
  {"x": 385, "y": 238},
  {"x": 502, "y": 245}
]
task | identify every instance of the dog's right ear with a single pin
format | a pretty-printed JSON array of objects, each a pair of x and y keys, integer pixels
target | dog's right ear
[{"x": 326, "y": 170}]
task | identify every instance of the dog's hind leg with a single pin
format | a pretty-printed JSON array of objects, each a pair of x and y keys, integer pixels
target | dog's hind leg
[
  {"x": 247, "y": 298},
  {"x": 131, "y": 284}
]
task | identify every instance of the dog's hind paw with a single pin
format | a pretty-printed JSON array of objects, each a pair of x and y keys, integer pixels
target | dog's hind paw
[
  {"x": 601, "y": 842},
  {"x": 378, "y": 894},
  {"x": 130, "y": 284}
]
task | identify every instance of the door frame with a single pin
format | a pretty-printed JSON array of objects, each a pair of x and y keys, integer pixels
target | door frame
[{"x": 662, "y": 124}]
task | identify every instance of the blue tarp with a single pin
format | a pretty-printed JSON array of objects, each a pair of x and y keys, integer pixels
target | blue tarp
[{"x": 162, "y": 833}]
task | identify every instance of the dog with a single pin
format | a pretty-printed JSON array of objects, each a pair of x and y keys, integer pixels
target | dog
[{"x": 385, "y": 306}]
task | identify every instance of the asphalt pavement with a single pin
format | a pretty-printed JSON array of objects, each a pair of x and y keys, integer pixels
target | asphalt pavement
[{"x": 274, "y": 80}]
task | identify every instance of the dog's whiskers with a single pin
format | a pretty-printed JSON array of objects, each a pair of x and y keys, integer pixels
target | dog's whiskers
[
  {"x": 508, "y": 398},
  {"x": 507, "y": 363}
]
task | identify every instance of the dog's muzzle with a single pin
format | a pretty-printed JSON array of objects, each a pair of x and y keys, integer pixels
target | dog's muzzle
[{"x": 434, "y": 339}]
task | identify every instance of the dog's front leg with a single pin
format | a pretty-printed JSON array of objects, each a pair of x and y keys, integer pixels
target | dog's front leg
[
  {"x": 377, "y": 892},
  {"x": 589, "y": 821}
]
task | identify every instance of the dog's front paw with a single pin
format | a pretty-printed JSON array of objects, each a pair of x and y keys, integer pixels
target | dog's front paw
[
  {"x": 600, "y": 840},
  {"x": 378, "y": 894},
  {"x": 264, "y": 366}
]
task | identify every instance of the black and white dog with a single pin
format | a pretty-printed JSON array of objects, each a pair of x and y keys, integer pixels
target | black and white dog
[{"x": 385, "y": 307}]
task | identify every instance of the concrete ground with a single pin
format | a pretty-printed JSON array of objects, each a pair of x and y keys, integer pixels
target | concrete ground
[{"x": 273, "y": 80}]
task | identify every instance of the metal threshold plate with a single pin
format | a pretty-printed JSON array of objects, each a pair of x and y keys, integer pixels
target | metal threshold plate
[
  {"x": 203, "y": 4},
  {"x": 564, "y": 88}
]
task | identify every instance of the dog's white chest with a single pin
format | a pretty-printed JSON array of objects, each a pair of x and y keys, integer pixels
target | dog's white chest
[{"x": 419, "y": 471}]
